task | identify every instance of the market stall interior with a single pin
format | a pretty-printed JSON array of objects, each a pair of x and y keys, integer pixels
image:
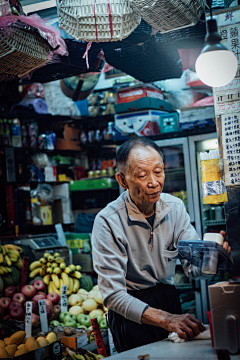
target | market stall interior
[{"x": 77, "y": 80}]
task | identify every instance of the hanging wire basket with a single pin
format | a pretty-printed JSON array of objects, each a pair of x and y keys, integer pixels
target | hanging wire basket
[
  {"x": 169, "y": 15},
  {"x": 21, "y": 50},
  {"x": 97, "y": 20}
]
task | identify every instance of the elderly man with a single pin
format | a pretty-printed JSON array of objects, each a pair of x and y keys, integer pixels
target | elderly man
[{"x": 134, "y": 251}]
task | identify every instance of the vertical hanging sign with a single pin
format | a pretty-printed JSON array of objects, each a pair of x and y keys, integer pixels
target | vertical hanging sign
[{"x": 231, "y": 148}]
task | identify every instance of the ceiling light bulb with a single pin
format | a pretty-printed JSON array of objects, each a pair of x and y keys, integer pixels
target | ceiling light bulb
[{"x": 216, "y": 66}]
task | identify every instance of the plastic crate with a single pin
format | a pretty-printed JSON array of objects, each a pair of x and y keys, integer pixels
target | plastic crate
[{"x": 143, "y": 104}]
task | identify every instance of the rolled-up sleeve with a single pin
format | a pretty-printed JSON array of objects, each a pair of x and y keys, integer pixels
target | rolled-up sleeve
[{"x": 110, "y": 263}]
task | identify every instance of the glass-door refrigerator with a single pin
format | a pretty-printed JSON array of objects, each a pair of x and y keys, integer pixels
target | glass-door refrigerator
[
  {"x": 178, "y": 183},
  {"x": 208, "y": 217}
]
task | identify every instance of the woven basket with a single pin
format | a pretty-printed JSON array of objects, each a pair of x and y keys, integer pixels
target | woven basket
[
  {"x": 171, "y": 14},
  {"x": 97, "y": 20},
  {"x": 22, "y": 51}
]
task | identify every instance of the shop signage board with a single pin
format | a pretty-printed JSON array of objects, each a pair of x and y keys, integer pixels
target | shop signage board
[{"x": 227, "y": 101}]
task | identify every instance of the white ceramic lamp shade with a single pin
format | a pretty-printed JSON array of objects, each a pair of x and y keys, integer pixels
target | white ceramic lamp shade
[{"x": 216, "y": 65}]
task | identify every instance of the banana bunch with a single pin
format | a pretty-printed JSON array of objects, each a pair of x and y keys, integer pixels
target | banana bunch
[
  {"x": 55, "y": 273},
  {"x": 86, "y": 355},
  {"x": 10, "y": 256}
]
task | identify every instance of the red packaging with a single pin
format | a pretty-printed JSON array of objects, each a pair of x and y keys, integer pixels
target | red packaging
[
  {"x": 79, "y": 172},
  {"x": 209, "y": 314},
  {"x": 98, "y": 338},
  {"x": 131, "y": 94},
  {"x": 24, "y": 272}
]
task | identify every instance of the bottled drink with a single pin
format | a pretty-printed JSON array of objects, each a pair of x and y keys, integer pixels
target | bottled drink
[
  {"x": 1, "y": 132},
  {"x": 16, "y": 133},
  {"x": 6, "y": 133}
]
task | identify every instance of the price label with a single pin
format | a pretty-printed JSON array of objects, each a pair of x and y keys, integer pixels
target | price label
[
  {"x": 64, "y": 302},
  {"x": 43, "y": 315},
  {"x": 28, "y": 319},
  {"x": 82, "y": 340}
]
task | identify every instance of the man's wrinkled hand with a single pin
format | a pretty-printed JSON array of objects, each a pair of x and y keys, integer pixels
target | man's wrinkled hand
[
  {"x": 225, "y": 243},
  {"x": 186, "y": 326}
]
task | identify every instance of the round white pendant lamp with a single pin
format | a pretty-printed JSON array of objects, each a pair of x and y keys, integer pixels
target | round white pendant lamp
[{"x": 216, "y": 66}]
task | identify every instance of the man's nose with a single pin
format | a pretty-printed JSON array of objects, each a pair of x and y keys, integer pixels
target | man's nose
[{"x": 152, "y": 182}]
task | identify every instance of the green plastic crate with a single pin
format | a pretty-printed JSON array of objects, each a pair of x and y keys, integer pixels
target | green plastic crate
[
  {"x": 143, "y": 104},
  {"x": 92, "y": 184},
  {"x": 75, "y": 241}
]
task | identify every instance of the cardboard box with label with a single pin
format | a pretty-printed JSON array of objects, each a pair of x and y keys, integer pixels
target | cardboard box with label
[{"x": 141, "y": 123}]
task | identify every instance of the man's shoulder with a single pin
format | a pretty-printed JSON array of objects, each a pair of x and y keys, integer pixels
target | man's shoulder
[{"x": 113, "y": 207}]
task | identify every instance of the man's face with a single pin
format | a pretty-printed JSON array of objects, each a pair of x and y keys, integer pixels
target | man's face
[{"x": 144, "y": 175}]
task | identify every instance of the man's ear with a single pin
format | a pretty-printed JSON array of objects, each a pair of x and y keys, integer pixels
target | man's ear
[{"x": 120, "y": 177}]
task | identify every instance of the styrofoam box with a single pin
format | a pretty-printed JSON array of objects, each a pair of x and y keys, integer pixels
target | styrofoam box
[{"x": 196, "y": 116}]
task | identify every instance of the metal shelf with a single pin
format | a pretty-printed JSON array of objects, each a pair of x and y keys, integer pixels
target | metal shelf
[
  {"x": 183, "y": 286},
  {"x": 175, "y": 171},
  {"x": 215, "y": 222}
]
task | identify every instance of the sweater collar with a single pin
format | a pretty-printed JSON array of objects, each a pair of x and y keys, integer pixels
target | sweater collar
[{"x": 134, "y": 214}]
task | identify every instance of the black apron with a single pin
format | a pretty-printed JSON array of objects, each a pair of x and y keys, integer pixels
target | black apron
[{"x": 128, "y": 334}]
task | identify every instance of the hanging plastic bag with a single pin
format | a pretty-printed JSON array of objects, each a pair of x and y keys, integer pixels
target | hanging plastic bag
[{"x": 213, "y": 188}]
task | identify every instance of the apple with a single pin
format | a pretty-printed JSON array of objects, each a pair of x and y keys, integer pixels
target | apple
[
  {"x": 4, "y": 302},
  {"x": 48, "y": 302},
  {"x": 17, "y": 313},
  {"x": 39, "y": 285},
  {"x": 75, "y": 299},
  {"x": 62, "y": 315},
  {"x": 19, "y": 297},
  {"x": 103, "y": 324},
  {"x": 85, "y": 320},
  {"x": 29, "y": 291},
  {"x": 6, "y": 317},
  {"x": 34, "y": 307},
  {"x": 76, "y": 310},
  {"x": 56, "y": 309},
  {"x": 70, "y": 317},
  {"x": 38, "y": 297},
  {"x": 55, "y": 323},
  {"x": 13, "y": 304},
  {"x": 35, "y": 319},
  {"x": 70, "y": 323},
  {"x": 99, "y": 318},
  {"x": 49, "y": 311},
  {"x": 79, "y": 316},
  {"x": 79, "y": 326},
  {"x": 54, "y": 297},
  {"x": 8, "y": 298},
  {"x": 2, "y": 312},
  {"x": 10, "y": 291},
  {"x": 41, "y": 293}
]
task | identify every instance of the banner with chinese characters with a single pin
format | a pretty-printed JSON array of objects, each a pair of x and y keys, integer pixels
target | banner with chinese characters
[
  {"x": 231, "y": 148},
  {"x": 229, "y": 29},
  {"x": 227, "y": 98}
]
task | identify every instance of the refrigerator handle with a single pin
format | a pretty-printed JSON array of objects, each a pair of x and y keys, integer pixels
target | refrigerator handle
[{"x": 196, "y": 285}]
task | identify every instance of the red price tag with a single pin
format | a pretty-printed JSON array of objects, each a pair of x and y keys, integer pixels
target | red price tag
[
  {"x": 24, "y": 274},
  {"x": 98, "y": 338}
]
